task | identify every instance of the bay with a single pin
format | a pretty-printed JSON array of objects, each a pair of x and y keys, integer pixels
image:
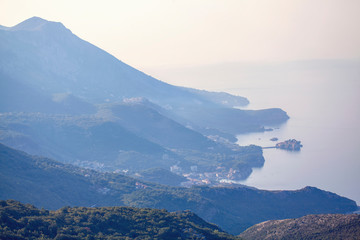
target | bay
[
  {"x": 322, "y": 98},
  {"x": 323, "y": 105}
]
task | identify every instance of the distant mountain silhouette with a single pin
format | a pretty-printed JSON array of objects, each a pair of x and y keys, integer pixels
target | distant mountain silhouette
[
  {"x": 48, "y": 58},
  {"x": 17, "y": 96},
  {"x": 65, "y": 98}
]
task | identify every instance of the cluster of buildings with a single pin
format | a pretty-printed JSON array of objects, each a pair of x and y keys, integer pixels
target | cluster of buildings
[{"x": 211, "y": 178}]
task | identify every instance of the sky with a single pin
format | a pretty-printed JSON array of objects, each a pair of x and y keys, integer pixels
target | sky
[{"x": 156, "y": 33}]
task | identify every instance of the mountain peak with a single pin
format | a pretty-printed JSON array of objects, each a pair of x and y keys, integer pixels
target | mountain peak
[
  {"x": 31, "y": 24},
  {"x": 36, "y": 24}
]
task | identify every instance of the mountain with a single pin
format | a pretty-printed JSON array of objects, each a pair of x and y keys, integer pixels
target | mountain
[
  {"x": 58, "y": 61},
  {"x": 17, "y": 96},
  {"x": 131, "y": 138},
  {"x": 151, "y": 124},
  {"x": 3, "y": 28},
  {"x": 47, "y": 57},
  {"x": 319, "y": 227},
  {"x": 86, "y": 141},
  {"x": 63, "y": 98},
  {"x": 52, "y": 185},
  {"x": 223, "y": 98},
  {"x": 20, "y": 221}
]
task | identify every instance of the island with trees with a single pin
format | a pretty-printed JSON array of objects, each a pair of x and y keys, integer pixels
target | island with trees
[{"x": 291, "y": 145}]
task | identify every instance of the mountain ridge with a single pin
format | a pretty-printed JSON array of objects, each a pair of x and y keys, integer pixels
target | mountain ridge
[
  {"x": 58, "y": 62},
  {"x": 20, "y": 221},
  {"x": 51, "y": 81},
  {"x": 50, "y": 184},
  {"x": 33, "y": 24},
  {"x": 325, "y": 226}
]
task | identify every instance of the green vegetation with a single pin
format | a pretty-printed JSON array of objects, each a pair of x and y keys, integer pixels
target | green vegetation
[
  {"x": 52, "y": 185},
  {"x": 312, "y": 227},
  {"x": 19, "y": 221},
  {"x": 161, "y": 176}
]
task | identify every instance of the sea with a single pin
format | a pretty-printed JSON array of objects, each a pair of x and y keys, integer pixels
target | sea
[{"x": 322, "y": 99}]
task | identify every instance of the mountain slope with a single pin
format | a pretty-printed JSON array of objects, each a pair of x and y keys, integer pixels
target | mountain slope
[
  {"x": 19, "y": 221},
  {"x": 50, "y": 184},
  {"x": 329, "y": 226},
  {"x": 47, "y": 57},
  {"x": 83, "y": 140},
  {"x": 132, "y": 137},
  {"x": 161, "y": 176},
  {"x": 59, "y": 61},
  {"x": 162, "y": 130},
  {"x": 46, "y": 70},
  {"x": 17, "y": 96}
]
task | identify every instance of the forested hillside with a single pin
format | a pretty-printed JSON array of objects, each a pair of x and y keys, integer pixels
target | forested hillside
[
  {"x": 52, "y": 185},
  {"x": 19, "y": 221}
]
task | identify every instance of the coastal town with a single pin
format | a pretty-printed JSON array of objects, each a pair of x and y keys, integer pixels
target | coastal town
[
  {"x": 211, "y": 178},
  {"x": 220, "y": 176}
]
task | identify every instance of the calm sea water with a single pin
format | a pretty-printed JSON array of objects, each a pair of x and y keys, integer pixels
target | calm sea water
[
  {"x": 323, "y": 103},
  {"x": 322, "y": 99}
]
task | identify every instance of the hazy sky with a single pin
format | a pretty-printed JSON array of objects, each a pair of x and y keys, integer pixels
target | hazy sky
[{"x": 153, "y": 33}]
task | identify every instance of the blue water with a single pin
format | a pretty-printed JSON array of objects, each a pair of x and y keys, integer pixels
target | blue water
[
  {"x": 324, "y": 108},
  {"x": 321, "y": 97}
]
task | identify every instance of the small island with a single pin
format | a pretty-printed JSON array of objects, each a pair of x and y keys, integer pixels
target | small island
[{"x": 291, "y": 144}]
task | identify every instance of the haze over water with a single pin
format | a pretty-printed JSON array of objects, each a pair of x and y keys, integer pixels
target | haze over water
[{"x": 322, "y": 99}]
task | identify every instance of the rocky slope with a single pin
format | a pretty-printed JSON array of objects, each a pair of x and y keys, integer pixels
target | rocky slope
[{"x": 324, "y": 226}]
